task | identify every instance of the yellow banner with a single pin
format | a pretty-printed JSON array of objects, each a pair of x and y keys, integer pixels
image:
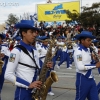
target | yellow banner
[{"x": 56, "y": 11}]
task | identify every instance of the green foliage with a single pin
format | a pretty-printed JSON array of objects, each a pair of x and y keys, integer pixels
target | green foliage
[
  {"x": 73, "y": 16},
  {"x": 12, "y": 19},
  {"x": 88, "y": 17}
]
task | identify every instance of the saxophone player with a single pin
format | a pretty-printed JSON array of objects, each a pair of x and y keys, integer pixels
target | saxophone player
[
  {"x": 4, "y": 52},
  {"x": 42, "y": 54},
  {"x": 85, "y": 83},
  {"x": 22, "y": 67}
]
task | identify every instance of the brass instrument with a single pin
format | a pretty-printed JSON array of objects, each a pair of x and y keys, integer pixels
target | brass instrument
[
  {"x": 1, "y": 63},
  {"x": 96, "y": 55},
  {"x": 41, "y": 94},
  {"x": 55, "y": 52},
  {"x": 64, "y": 45}
]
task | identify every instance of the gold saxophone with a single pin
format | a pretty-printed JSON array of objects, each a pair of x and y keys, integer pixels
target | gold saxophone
[
  {"x": 1, "y": 63},
  {"x": 41, "y": 94}
]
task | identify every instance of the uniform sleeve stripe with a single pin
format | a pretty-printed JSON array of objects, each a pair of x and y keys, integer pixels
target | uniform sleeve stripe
[
  {"x": 4, "y": 45},
  {"x": 22, "y": 81},
  {"x": 90, "y": 65}
]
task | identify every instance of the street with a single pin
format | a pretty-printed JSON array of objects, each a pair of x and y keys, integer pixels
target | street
[{"x": 64, "y": 89}]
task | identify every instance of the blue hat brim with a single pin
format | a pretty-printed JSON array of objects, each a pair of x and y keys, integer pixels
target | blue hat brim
[
  {"x": 23, "y": 25},
  {"x": 84, "y": 35},
  {"x": 94, "y": 41},
  {"x": 2, "y": 36},
  {"x": 18, "y": 38},
  {"x": 44, "y": 38}
]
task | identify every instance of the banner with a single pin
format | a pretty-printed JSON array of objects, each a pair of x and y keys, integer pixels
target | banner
[{"x": 56, "y": 11}]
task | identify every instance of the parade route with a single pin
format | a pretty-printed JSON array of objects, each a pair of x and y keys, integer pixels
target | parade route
[{"x": 64, "y": 89}]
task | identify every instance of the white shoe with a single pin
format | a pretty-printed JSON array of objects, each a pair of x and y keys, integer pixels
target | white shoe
[
  {"x": 70, "y": 65},
  {"x": 63, "y": 63},
  {"x": 53, "y": 71},
  {"x": 51, "y": 93},
  {"x": 69, "y": 68},
  {"x": 58, "y": 67}
]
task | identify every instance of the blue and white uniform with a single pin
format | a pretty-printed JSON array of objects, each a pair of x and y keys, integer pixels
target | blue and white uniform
[
  {"x": 38, "y": 44},
  {"x": 75, "y": 45},
  {"x": 85, "y": 84},
  {"x": 20, "y": 75},
  {"x": 65, "y": 57},
  {"x": 42, "y": 52},
  {"x": 58, "y": 53},
  {"x": 70, "y": 52},
  {"x": 6, "y": 52}
]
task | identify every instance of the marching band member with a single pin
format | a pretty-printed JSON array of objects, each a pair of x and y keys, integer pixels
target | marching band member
[
  {"x": 42, "y": 54},
  {"x": 4, "y": 56},
  {"x": 70, "y": 52},
  {"x": 17, "y": 42},
  {"x": 59, "y": 51},
  {"x": 94, "y": 46},
  {"x": 21, "y": 68},
  {"x": 98, "y": 85},
  {"x": 85, "y": 83},
  {"x": 64, "y": 54},
  {"x": 38, "y": 42},
  {"x": 43, "y": 49},
  {"x": 75, "y": 43}
]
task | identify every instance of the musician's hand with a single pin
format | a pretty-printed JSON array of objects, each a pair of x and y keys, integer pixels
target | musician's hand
[
  {"x": 92, "y": 44},
  {"x": 2, "y": 55},
  {"x": 50, "y": 64},
  {"x": 35, "y": 84},
  {"x": 98, "y": 65},
  {"x": 94, "y": 58}
]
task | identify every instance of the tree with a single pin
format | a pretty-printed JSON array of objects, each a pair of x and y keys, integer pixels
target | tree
[
  {"x": 26, "y": 16},
  {"x": 73, "y": 16},
  {"x": 90, "y": 15},
  {"x": 12, "y": 19}
]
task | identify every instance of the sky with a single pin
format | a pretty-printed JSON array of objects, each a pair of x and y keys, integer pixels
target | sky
[{"x": 19, "y": 7}]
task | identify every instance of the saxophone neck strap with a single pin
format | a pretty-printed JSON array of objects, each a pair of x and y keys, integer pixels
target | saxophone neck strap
[{"x": 26, "y": 52}]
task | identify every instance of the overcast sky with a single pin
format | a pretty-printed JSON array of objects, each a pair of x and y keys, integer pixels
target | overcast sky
[{"x": 18, "y": 7}]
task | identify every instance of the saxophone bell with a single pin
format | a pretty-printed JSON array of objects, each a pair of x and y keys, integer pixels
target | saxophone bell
[
  {"x": 44, "y": 89},
  {"x": 41, "y": 94}
]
